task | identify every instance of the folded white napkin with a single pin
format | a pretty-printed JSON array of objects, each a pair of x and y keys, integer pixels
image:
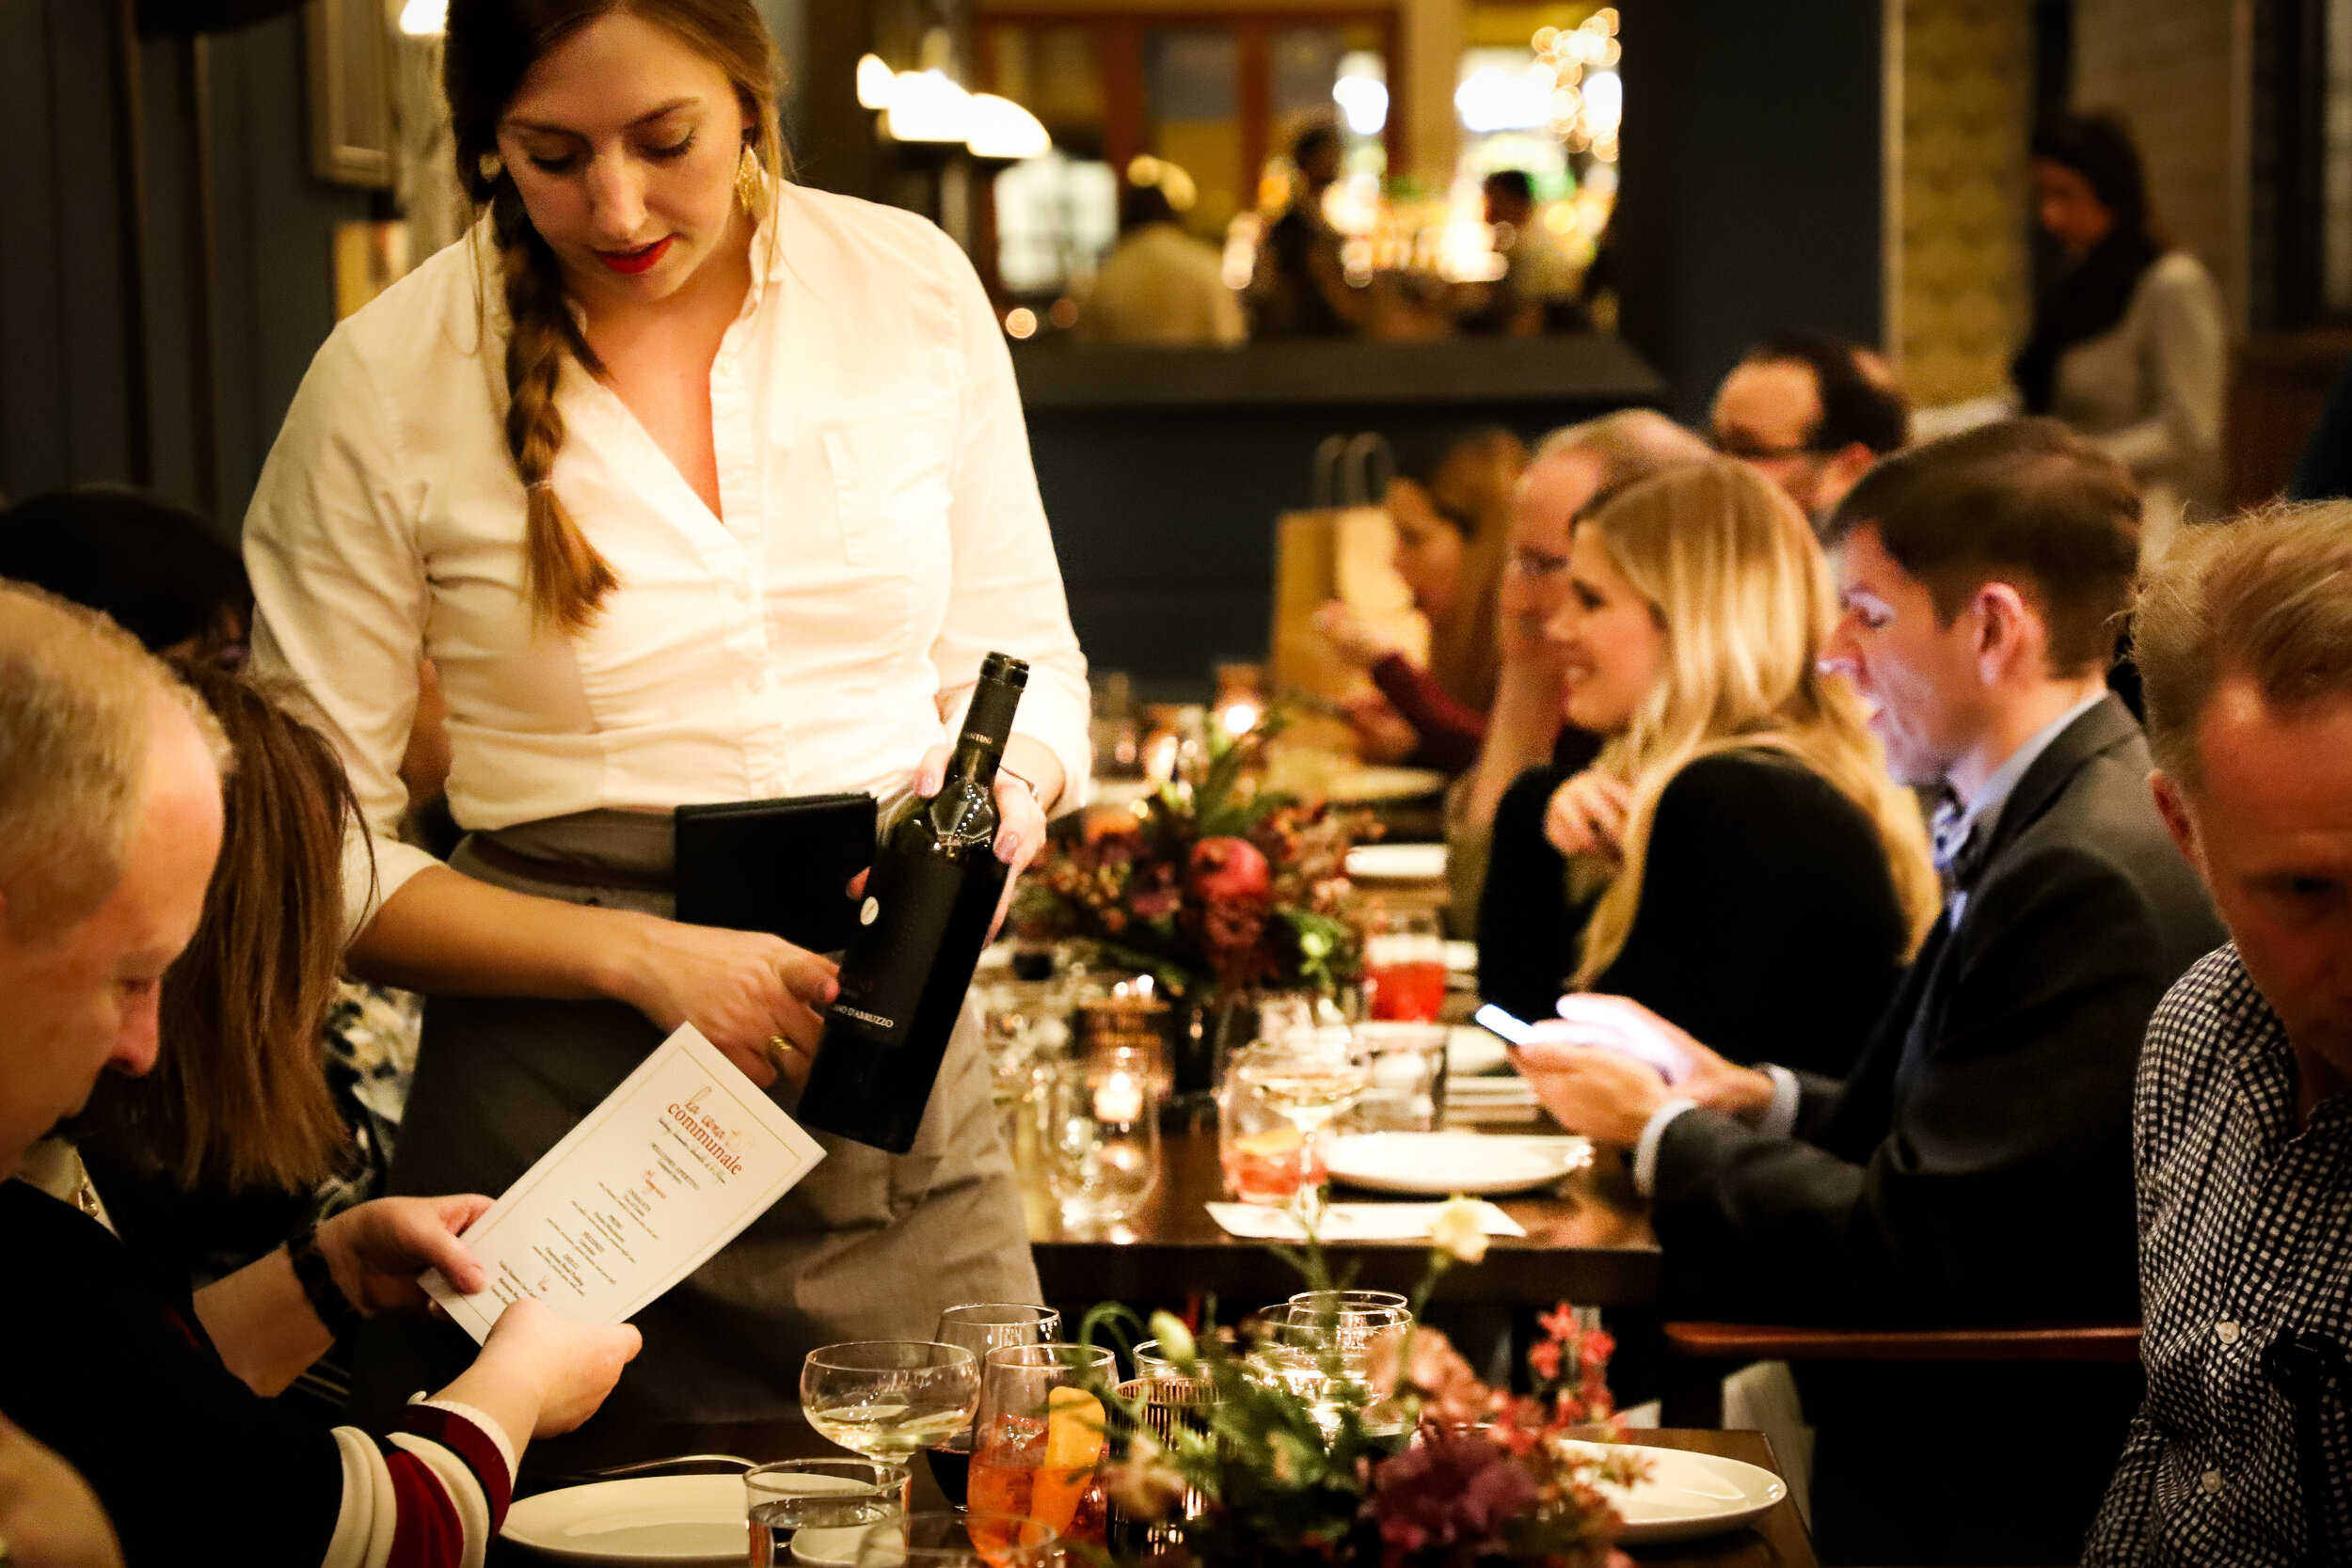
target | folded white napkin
[{"x": 1351, "y": 1222}]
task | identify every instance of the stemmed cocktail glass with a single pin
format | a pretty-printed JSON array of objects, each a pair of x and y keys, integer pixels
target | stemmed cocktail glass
[{"x": 890, "y": 1399}]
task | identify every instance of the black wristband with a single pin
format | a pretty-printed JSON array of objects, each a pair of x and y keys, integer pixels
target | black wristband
[{"x": 317, "y": 1280}]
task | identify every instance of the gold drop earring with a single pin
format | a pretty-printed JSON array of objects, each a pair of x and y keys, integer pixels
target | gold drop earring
[{"x": 750, "y": 183}]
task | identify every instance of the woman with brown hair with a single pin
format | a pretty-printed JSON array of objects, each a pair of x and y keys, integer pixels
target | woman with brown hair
[
  {"x": 241, "y": 1102},
  {"x": 2130, "y": 345},
  {"x": 697, "y": 486},
  {"x": 1737, "y": 855},
  {"x": 1451, "y": 505}
]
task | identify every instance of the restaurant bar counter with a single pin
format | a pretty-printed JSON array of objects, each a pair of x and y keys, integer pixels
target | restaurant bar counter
[{"x": 1163, "y": 470}]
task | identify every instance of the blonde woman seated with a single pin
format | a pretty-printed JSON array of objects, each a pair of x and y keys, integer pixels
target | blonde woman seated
[{"x": 1738, "y": 856}]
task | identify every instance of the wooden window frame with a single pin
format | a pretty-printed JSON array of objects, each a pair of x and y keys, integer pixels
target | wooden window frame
[{"x": 1118, "y": 55}]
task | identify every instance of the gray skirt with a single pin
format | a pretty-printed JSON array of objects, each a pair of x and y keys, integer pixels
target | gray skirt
[{"x": 868, "y": 1246}]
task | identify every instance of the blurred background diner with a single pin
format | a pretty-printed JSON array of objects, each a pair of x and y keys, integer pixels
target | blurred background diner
[{"x": 1590, "y": 543}]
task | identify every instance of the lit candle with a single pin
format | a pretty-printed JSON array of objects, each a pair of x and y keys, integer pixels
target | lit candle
[{"x": 1119, "y": 1099}]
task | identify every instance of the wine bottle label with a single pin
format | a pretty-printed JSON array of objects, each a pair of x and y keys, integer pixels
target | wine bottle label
[{"x": 882, "y": 974}]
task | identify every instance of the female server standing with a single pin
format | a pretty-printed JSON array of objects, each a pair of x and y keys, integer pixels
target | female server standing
[{"x": 696, "y": 486}]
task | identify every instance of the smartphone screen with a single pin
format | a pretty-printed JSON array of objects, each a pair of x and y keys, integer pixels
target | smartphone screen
[{"x": 1496, "y": 1021}]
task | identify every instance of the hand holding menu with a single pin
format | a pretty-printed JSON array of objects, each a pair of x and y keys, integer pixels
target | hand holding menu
[{"x": 669, "y": 1169}]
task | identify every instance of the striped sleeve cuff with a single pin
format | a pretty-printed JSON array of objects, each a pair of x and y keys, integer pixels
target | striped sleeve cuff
[
  {"x": 1653, "y": 1132},
  {"x": 490, "y": 1429},
  {"x": 473, "y": 1440}
]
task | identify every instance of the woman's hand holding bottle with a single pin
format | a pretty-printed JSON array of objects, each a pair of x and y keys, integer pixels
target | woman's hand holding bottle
[
  {"x": 743, "y": 989},
  {"x": 1020, "y": 812}
]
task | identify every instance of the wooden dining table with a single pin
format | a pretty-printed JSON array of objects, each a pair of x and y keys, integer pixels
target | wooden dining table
[
  {"x": 1777, "y": 1540},
  {"x": 1588, "y": 1240}
]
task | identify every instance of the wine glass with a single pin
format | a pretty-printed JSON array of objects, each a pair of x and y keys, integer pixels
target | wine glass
[
  {"x": 890, "y": 1399},
  {"x": 1350, "y": 1300},
  {"x": 813, "y": 1495},
  {"x": 1311, "y": 1076},
  {"x": 968, "y": 1540},
  {"x": 1038, "y": 1444},
  {"x": 980, "y": 1328}
]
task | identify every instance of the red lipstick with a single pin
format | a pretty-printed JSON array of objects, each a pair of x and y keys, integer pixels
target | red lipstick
[{"x": 637, "y": 260}]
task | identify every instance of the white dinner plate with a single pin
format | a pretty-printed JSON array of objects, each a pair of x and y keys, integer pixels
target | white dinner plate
[
  {"x": 1397, "y": 863},
  {"x": 1690, "y": 1494},
  {"x": 1445, "y": 1162},
  {"x": 1471, "y": 1051},
  {"x": 651, "y": 1519}
]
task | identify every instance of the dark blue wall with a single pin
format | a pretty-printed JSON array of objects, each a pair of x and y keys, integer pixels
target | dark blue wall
[
  {"x": 1753, "y": 195},
  {"x": 65, "y": 404},
  {"x": 1164, "y": 470}
]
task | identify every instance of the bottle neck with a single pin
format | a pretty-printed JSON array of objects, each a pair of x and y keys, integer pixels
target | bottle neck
[
  {"x": 974, "y": 763},
  {"x": 987, "y": 722}
]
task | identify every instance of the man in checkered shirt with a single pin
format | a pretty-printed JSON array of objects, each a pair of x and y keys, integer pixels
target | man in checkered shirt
[{"x": 2243, "y": 1130}]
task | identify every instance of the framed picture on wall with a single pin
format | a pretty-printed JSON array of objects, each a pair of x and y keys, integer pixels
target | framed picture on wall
[{"x": 351, "y": 91}]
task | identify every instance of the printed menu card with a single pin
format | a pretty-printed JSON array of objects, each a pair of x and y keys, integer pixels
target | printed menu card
[{"x": 669, "y": 1169}]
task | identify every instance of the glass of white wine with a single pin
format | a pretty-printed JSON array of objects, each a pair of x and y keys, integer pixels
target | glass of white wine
[
  {"x": 890, "y": 1399},
  {"x": 1311, "y": 1076}
]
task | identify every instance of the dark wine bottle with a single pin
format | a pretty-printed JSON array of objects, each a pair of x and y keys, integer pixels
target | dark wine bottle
[{"x": 929, "y": 900}]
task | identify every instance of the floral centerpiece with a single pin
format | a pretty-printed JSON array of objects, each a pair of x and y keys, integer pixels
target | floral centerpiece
[
  {"x": 1488, "y": 1478},
  {"x": 1218, "y": 887}
]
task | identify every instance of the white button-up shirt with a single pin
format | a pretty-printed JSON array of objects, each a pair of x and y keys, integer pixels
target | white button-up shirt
[{"x": 880, "y": 531}]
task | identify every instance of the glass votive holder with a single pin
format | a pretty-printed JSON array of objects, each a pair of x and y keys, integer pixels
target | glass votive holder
[
  {"x": 1100, "y": 1135},
  {"x": 1126, "y": 1071}
]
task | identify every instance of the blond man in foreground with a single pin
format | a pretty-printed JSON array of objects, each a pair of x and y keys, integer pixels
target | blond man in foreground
[{"x": 2242, "y": 1127}]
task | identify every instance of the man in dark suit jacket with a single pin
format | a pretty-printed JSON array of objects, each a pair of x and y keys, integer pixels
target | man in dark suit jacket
[{"x": 1975, "y": 1167}]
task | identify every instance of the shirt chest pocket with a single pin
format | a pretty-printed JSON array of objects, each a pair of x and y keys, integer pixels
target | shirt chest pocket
[{"x": 890, "y": 490}]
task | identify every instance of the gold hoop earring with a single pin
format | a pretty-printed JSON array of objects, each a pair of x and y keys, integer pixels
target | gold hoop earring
[{"x": 751, "y": 182}]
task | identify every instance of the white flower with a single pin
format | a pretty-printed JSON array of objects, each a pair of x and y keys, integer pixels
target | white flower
[
  {"x": 1459, "y": 1231},
  {"x": 1175, "y": 1340}
]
